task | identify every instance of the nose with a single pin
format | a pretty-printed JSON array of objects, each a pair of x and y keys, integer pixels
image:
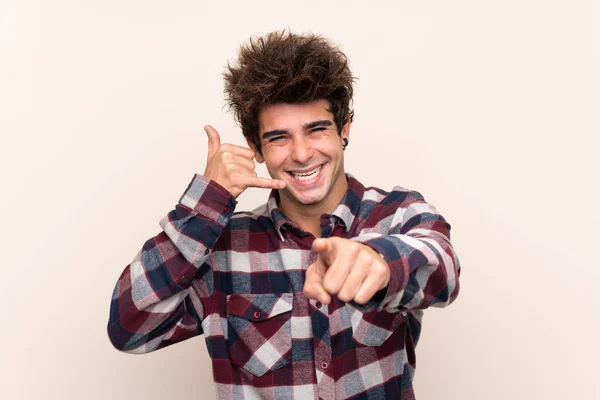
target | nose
[{"x": 301, "y": 150}]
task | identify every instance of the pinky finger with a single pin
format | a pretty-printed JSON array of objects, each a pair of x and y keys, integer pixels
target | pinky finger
[
  {"x": 266, "y": 183},
  {"x": 367, "y": 290}
]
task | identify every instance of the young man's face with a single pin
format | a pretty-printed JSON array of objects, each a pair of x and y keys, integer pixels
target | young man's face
[{"x": 301, "y": 146}]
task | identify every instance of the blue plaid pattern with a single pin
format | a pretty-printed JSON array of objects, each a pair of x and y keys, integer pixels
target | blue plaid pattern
[{"x": 237, "y": 278}]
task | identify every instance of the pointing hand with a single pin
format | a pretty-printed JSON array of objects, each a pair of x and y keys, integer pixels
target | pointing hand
[{"x": 346, "y": 268}]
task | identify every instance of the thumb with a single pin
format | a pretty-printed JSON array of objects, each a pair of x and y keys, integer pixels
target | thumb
[
  {"x": 324, "y": 248},
  {"x": 214, "y": 140}
]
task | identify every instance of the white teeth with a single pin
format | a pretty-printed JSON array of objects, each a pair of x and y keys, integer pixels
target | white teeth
[{"x": 308, "y": 176}]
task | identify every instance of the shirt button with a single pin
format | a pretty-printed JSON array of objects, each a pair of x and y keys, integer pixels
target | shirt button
[
  {"x": 256, "y": 314},
  {"x": 227, "y": 210},
  {"x": 206, "y": 251},
  {"x": 318, "y": 304},
  {"x": 324, "y": 365}
]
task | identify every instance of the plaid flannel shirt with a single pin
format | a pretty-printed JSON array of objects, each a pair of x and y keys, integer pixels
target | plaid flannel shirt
[{"x": 238, "y": 278}]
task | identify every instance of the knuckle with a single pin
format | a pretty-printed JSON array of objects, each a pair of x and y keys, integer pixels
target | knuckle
[
  {"x": 364, "y": 259},
  {"x": 230, "y": 167},
  {"x": 378, "y": 270},
  {"x": 362, "y": 298},
  {"x": 309, "y": 290},
  {"x": 331, "y": 286},
  {"x": 344, "y": 296},
  {"x": 354, "y": 247},
  {"x": 227, "y": 155}
]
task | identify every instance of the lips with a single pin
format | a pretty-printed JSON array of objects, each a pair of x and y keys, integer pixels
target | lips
[{"x": 306, "y": 175}]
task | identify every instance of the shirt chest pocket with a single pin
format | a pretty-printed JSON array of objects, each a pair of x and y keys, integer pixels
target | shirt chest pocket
[
  {"x": 259, "y": 331},
  {"x": 372, "y": 328}
]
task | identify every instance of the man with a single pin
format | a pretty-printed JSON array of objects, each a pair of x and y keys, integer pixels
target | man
[{"x": 319, "y": 292}]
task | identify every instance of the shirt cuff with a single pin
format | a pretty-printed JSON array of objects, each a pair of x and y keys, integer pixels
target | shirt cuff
[
  {"x": 374, "y": 303},
  {"x": 385, "y": 245},
  {"x": 209, "y": 199}
]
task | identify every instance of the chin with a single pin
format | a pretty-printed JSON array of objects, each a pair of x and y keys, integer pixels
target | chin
[{"x": 308, "y": 199}]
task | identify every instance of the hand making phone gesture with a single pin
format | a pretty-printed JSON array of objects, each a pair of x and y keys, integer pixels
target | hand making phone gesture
[{"x": 233, "y": 166}]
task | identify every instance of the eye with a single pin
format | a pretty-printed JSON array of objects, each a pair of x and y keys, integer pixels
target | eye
[{"x": 317, "y": 129}]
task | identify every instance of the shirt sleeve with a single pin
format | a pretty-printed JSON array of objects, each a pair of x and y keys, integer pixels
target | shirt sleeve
[
  {"x": 414, "y": 239},
  {"x": 162, "y": 295}
]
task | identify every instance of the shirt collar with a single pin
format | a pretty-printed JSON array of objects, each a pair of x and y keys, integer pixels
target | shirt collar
[{"x": 346, "y": 210}]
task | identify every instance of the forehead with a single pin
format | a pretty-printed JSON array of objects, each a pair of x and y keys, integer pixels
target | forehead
[{"x": 287, "y": 116}]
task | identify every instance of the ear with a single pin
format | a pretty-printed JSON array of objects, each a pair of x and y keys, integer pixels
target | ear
[
  {"x": 257, "y": 156},
  {"x": 346, "y": 130}
]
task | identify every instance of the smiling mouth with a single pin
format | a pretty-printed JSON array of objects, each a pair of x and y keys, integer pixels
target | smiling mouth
[{"x": 307, "y": 176}]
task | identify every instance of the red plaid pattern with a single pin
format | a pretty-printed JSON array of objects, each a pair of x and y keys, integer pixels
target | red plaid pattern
[
  {"x": 238, "y": 278},
  {"x": 259, "y": 331}
]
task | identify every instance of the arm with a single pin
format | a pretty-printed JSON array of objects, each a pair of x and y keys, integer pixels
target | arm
[
  {"x": 161, "y": 297},
  {"x": 402, "y": 259},
  {"x": 424, "y": 268}
]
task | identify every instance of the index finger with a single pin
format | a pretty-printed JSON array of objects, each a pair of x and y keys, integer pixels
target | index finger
[{"x": 324, "y": 249}]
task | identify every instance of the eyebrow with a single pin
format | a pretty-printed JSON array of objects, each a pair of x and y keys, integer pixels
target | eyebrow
[{"x": 310, "y": 125}]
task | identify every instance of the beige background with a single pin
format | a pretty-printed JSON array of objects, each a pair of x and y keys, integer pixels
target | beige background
[{"x": 490, "y": 109}]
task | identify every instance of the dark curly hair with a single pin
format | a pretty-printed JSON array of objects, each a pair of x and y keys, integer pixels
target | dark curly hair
[{"x": 283, "y": 67}]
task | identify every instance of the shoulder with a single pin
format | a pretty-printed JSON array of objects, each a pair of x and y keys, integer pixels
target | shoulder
[{"x": 397, "y": 196}]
